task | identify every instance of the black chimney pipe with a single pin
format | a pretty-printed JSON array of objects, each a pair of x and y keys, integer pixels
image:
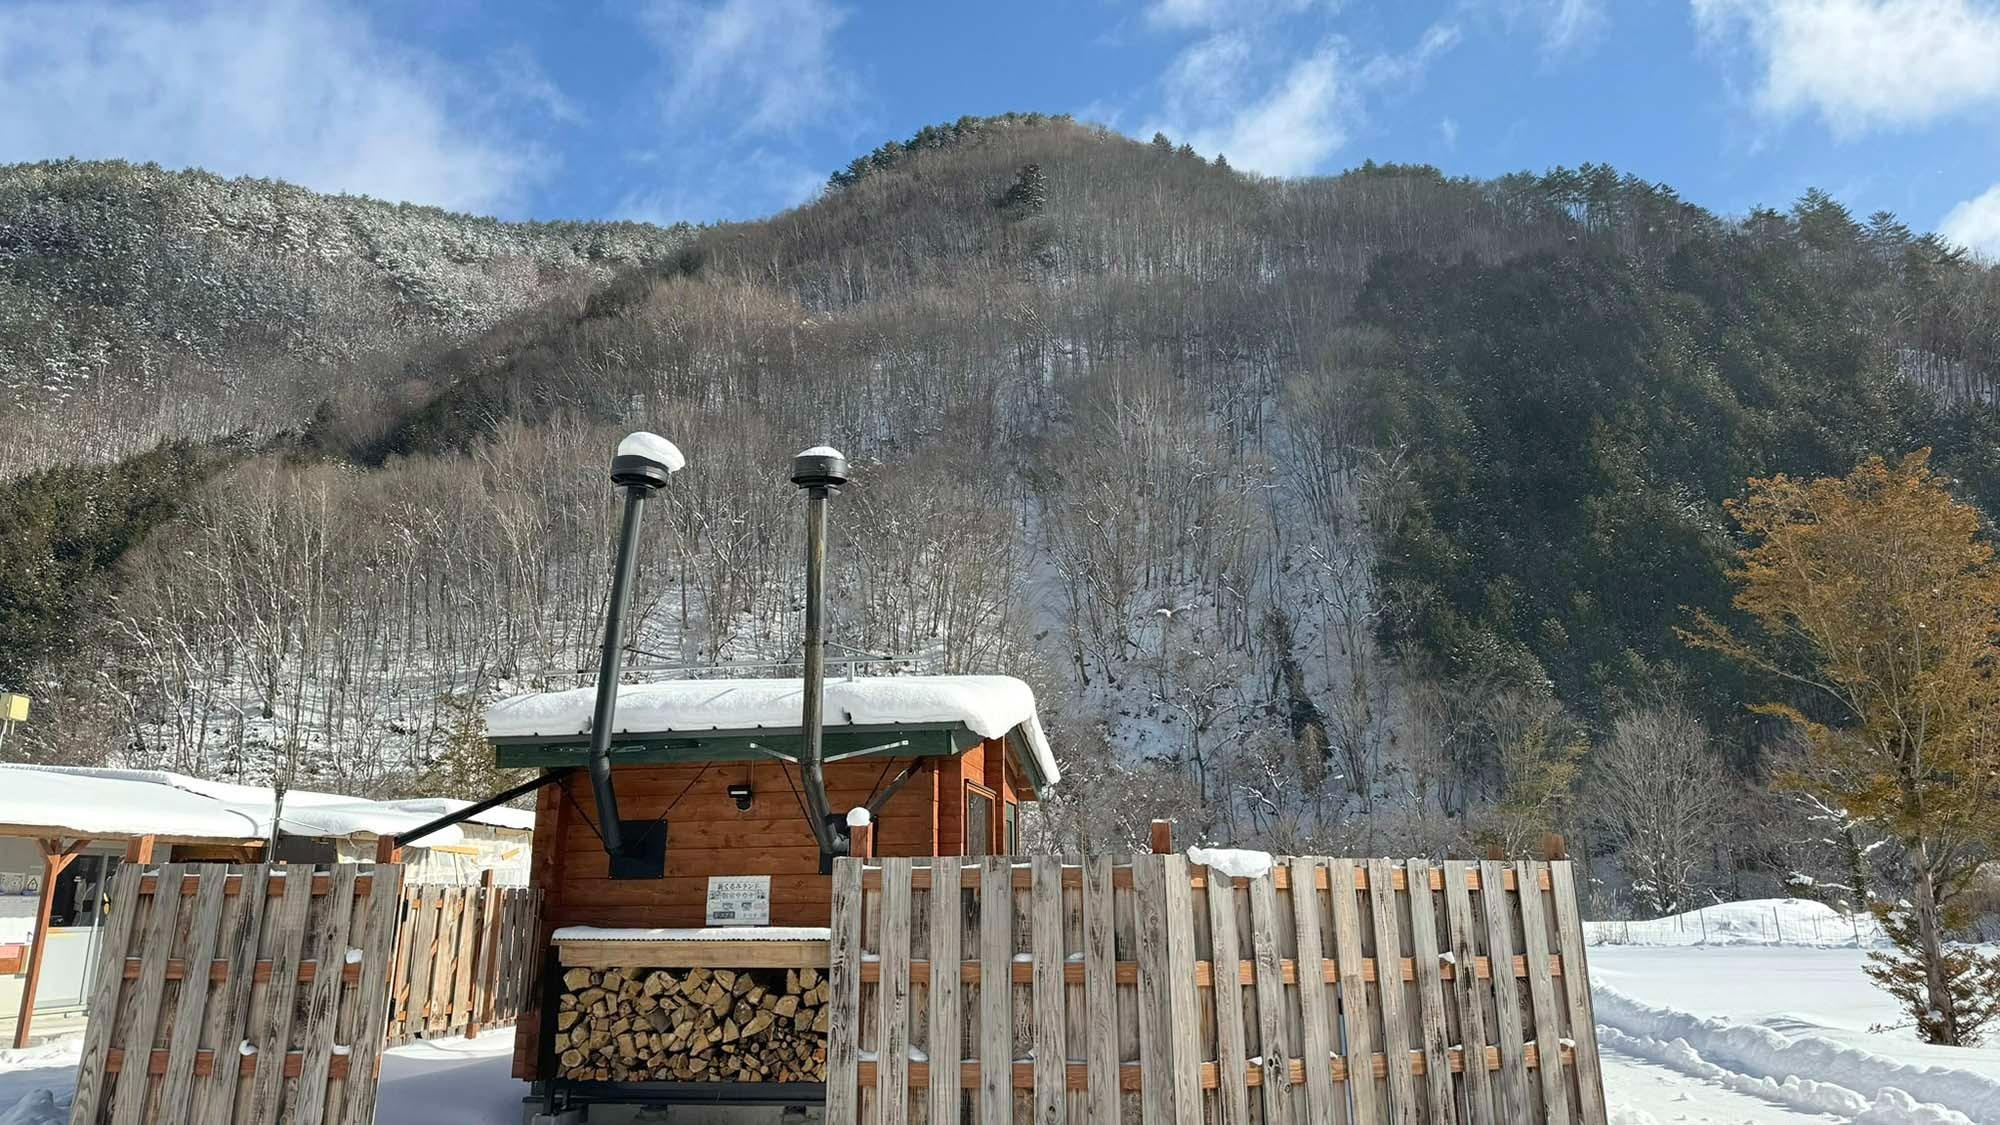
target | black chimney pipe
[
  {"x": 641, "y": 467},
  {"x": 820, "y": 471}
]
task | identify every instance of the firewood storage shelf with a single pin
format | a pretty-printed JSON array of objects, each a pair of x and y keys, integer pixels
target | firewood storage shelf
[
  {"x": 719, "y": 948},
  {"x": 734, "y": 951}
]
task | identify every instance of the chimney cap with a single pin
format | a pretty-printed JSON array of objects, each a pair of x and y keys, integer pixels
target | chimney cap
[
  {"x": 645, "y": 460},
  {"x": 822, "y": 466}
]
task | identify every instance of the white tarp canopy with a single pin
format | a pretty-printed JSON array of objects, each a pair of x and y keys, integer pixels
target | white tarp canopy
[
  {"x": 989, "y": 706},
  {"x": 89, "y": 801}
]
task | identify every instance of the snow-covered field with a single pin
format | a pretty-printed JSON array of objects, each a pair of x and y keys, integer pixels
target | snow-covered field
[
  {"x": 1731, "y": 1032},
  {"x": 1768, "y": 921},
  {"x": 1743, "y": 1029}
]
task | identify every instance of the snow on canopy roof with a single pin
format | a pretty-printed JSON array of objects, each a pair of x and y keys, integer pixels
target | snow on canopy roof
[
  {"x": 430, "y": 808},
  {"x": 85, "y": 804},
  {"x": 113, "y": 802},
  {"x": 988, "y": 706}
]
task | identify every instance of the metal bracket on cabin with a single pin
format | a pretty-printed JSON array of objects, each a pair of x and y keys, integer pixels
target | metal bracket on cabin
[{"x": 472, "y": 810}]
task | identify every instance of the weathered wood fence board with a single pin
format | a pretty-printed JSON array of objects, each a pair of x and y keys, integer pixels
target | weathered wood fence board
[
  {"x": 463, "y": 961},
  {"x": 231, "y": 993},
  {"x": 1325, "y": 990}
]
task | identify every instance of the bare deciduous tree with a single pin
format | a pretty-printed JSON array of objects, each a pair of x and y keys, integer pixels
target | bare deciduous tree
[{"x": 1659, "y": 788}]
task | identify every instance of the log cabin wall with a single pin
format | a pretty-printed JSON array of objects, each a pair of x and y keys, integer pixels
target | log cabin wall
[{"x": 707, "y": 835}]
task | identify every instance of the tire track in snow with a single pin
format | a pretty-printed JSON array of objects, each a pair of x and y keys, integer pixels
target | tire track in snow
[{"x": 1809, "y": 1073}]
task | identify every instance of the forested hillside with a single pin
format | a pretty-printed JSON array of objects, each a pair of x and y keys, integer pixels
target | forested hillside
[
  {"x": 138, "y": 304},
  {"x": 1340, "y": 513}
]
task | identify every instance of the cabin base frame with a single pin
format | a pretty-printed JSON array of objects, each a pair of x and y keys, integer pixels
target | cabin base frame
[{"x": 563, "y": 1101}]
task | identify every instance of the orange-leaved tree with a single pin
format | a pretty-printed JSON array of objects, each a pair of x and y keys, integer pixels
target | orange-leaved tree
[{"x": 1877, "y": 598}]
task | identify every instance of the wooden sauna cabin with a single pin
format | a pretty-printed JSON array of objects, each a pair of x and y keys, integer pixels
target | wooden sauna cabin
[{"x": 709, "y": 790}]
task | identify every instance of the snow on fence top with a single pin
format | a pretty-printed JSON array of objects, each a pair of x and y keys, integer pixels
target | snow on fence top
[
  {"x": 89, "y": 801},
  {"x": 989, "y": 706}
]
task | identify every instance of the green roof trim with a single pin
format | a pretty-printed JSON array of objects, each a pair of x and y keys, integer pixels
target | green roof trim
[{"x": 674, "y": 748}]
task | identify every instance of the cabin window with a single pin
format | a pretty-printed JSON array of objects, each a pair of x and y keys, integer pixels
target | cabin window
[
  {"x": 1013, "y": 829},
  {"x": 978, "y": 820}
]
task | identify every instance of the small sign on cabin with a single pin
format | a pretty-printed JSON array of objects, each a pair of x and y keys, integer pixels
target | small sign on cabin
[{"x": 739, "y": 900}]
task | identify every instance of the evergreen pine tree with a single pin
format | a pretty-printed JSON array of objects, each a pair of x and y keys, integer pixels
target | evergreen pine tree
[
  {"x": 465, "y": 768},
  {"x": 1028, "y": 194},
  {"x": 1971, "y": 977},
  {"x": 1162, "y": 144}
]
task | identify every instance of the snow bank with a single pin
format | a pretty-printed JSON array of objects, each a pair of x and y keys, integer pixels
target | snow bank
[
  {"x": 36, "y": 1083},
  {"x": 1766, "y": 921},
  {"x": 1238, "y": 863},
  {"x": 989, "y": 706},
  {"x": 1818, "y": 1074},
  {"x": 37, "y": 1107},
  {"x": 703, "y": 933}
]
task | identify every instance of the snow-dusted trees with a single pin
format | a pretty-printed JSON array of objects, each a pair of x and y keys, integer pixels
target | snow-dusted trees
[{"x": 1659, "y": 789}]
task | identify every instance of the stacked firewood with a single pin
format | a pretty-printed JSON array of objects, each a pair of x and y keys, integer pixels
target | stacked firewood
[{"x": 693, "y": 1025}]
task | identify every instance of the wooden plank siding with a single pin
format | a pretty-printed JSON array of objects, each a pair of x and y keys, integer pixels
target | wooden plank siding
[{"x": 707, "y": 835}]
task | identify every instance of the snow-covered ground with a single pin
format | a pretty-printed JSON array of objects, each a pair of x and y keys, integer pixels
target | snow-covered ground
[
  {"x": 1766, "y": 921},
  {"x": 1731, "y": 1032},
  {"x": 1739, "y": 1030},
  {"x": 448, "y": 1082}
]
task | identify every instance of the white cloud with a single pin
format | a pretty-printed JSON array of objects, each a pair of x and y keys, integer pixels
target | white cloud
[
  {"x": 297, "y": 89},
  {"x": 1568, "y": 24},
  {"x": 1213, "y": 71},
  {"x": 749, "y": 182},
  {"x": 1864, "y": 64},
  {"x": 1217, "y": 97},
  {"x": 1407, "y": 68},
  {"x": 767, "y": 66},
  {"x": 1292, "y": 127},
  {"x": 742, "y": 85},
  {"x": 1975, "y": 223},
  {"x": 1448, "y": 133},
  {"x": 521, "y": 74},
  {"x": 1219, "y": 13}
]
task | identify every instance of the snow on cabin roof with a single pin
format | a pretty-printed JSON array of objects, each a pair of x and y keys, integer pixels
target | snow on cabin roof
[
  {"x": 989, "y": 706},
  {"x": 87, "y": 801}
]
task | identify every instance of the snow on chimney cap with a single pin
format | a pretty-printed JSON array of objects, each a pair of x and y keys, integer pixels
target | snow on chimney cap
[{"x": 653, "y": 448}]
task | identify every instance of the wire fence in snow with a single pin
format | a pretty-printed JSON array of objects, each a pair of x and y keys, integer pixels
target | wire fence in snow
[{"x": 1778, "y": 922}]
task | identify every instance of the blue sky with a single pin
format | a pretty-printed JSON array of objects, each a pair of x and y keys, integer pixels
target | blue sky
[{"x": 728, "y": 109}]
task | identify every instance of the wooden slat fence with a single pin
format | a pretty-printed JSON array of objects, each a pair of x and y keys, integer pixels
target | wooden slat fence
[
  {"x": 1327, "y": 990},
  {"x": 464, "y": 959},
  {"x": 251, "y": 994}
]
